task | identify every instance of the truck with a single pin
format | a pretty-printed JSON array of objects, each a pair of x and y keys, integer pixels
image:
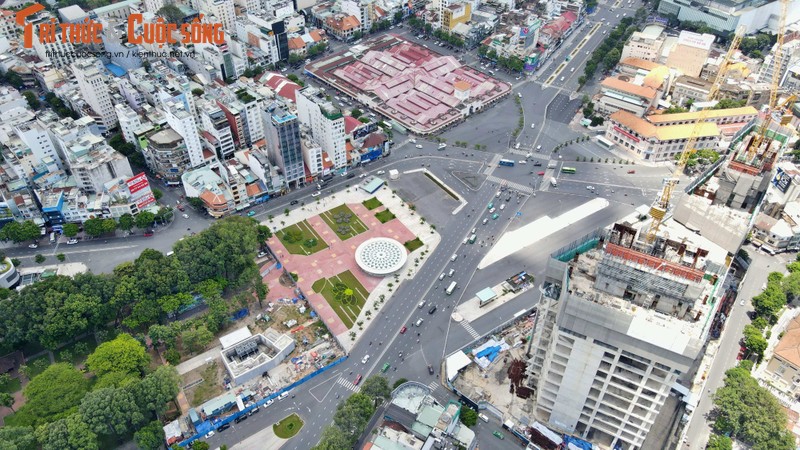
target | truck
[
  {"x": 450, "y": 289},
  {"x": 553, "y": 182}
]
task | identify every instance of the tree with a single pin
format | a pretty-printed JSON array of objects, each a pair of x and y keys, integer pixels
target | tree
[
  {"x": 33, "y": 102},
  {"x": 156, "y": 390},
  {"x": 333, "y": 438},
  {"x": 20, "y": 231},
  {"x": 39, "y": 258},
  {"x": 196, "y": 203},
  {"x": 376, "y": 387},
  {"x": 124, "y": 354},
  {"x": 727, "y": 103},
  {"x": 746, "y": 411},
  {"x": 157, "y": 194},
  {"x": 353, "y": 414},
  {"x": 611, "y": 59},
  {"x": 7, "y": 400},
  {"x": 197, "y": 92},
  {"x": 110, "y": 411},
  {"x": 145, "y": 219},
  {"x": 171, "y": 13},
  {"x": 468, "y": 416},
  {"x": 768, "y": 303},
  {"x": 754, "y": 340},
  {"x": 108, "y": 226},
  {"x": 200, "y": 445},
  {"x": 674, "y": 110},
  {"x": 719, "y": 442},
  {"x": 70, "y": 230},
  {"x": 399, "y": 382},
  {"x": 18, "y": 438},
  {"x": 70, "y": 433},
  {"x": 126, "y": 222},
  {"x": 53, "y": 394},
  {"x": 163, "y": 334},
  {"x": 356, "y": 113},
  {"x": 150, "y": 437},
  {"x": 94, "y": 227},
  {"x": 197, "y": 338}
]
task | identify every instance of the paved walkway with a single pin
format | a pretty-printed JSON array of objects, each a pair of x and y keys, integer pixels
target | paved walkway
[
  {"x": 263, "y": 439},
  {"x": 199, "y": 360},
  {"x": 338, "y": 257}
]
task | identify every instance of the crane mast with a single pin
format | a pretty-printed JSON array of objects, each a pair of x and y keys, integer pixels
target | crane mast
[
  {"x": 660, "y": 207},
  {"x": 777, "y": 66}
]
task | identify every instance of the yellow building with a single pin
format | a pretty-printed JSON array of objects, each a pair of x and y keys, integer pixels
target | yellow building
[{"x": 455, "y": 14}]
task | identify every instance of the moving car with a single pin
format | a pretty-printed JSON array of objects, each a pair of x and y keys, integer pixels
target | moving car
[
  {"x": 430, "y": 369},
  {"x": 537, "y": 164},
  {"x": 249, "y": 214},
  {"x": 210, "y": 434},
  {"x": 385, "y": 367},
  {"x": 293, "y": 202},
  {"x": 181, "y": 208},
  {"x": 365, "y": 359},
  {"x": 418, "y": 146},
  {"x": 362, "y": 175},
  {"x": 316, "y": 194},
  {"x": 351, "y": 175},
  {"x": 72, "y": 241},
  {"x": 148, "y": 233},
  {"x": 485, "y": 221},
  {"x": 631, "y": 171},
  {"x": 223, "y": 427},
  {"x": 498, "y": 435},
  {"x": 495, "y": 216},
  {"x": 403, "y": 330},
  {"x": 34, "y": 245},
  {"x": 540, "y": 174},
  {"x": 380, "y": 172},
  {"x": 432, "y": 310},
  {"x": 186, "y": 216},
  {"x": 357, "y": 380}
]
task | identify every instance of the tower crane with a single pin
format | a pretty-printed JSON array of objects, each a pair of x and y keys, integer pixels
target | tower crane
[
  {"x": 777, "y": 66},
  {"x": 660, "y": 207}
]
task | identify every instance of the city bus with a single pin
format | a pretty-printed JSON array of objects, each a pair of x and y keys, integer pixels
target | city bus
[
  {"x": 472, "y": 238},
  {"x": 568, "y": 170},
  {"x": 506, "y": 162},
  {"x": 450, "y": 288}
]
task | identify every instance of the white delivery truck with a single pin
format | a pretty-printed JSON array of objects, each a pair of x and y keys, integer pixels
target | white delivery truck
[{"x": 553, "y": 182}]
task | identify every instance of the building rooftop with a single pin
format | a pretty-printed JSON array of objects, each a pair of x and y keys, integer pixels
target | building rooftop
[
  {"x": 788, "y": 347},
  {"x": 646, "y": 129},
  {"x": 629, "y": 88},
  {"x": 694, "y": 115}
]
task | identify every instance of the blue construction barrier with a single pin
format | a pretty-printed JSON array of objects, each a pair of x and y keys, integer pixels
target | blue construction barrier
[{"x": 232, "y": 417}]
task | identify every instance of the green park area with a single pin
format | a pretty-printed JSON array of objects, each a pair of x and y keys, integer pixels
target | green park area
[
  {"x": 288, "y": 427},
  {"x": 384, "y": 216},
  {"x": 301, "y": 239},
  {"x": 413, "y": 244},
  {"x": 345, "y": 294},
  {"x": 372, "y": 203},
  {"x": 343, "y": 222}
]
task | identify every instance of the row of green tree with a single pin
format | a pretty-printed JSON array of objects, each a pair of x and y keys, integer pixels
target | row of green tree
[
  {"x": 118, "y": 143},
  {"x": 609, "y": 52},
  {"x": 140, "y": 293},
  {"x": 65, "y": 410},
  {"x": 450, "y": 38},
  {"x": 419, "y": 24},
  {"x": 352, "y": 415}
]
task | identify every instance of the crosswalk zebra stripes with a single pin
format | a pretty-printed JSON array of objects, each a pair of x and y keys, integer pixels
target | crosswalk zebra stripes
[
  {"x": 348, "y": 384},
  {"x": 510, "y": 184},
  {"x": 470, "y": 330}
]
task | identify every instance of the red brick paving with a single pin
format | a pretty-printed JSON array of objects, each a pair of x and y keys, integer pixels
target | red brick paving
[{"x": 337, "y": 258}]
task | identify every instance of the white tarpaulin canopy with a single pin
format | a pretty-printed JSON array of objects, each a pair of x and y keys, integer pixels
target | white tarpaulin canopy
[{"x": 456, "y": 362}]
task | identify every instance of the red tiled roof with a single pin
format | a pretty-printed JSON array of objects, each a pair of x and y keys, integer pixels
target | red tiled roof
[
  {"x": 282, "y": 86},
  {"x": 317, "y": 35},
  {"x": 296, "y": 43},
  {"x": 253, "y": 189},
  {"x": 350, "y": 124},
  {"x": 374, "y": 139}
]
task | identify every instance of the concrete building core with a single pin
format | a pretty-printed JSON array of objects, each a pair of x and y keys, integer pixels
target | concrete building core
[
  {"x": 620, "y": 324},
  {"x": 247, "y": 356}
]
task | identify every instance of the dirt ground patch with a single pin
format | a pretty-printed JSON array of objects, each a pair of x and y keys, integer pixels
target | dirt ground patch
[{"x": 203, "y": 383}]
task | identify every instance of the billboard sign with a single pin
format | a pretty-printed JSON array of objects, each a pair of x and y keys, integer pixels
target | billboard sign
[
  {"x": 782, "y": 180},
  {"x": 137, "y": 183},
  {"x": 145, "y": 201}
]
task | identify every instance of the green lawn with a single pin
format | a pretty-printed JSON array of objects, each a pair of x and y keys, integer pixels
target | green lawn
[
  {"x": 308, "y": 233},
  {"x": 12, "y": 386},
  {"x": 413, "y": 244},
  {"x": 77, "y": 357},
  {"x": 288, "y": 427},
  {"x": 371, "y": 203},
  {"x": 348, "y": 221},
  {"x": 385, "y": 216},
  {"x": 347, "y": 313},
  {"x": 32, "y": 364}
]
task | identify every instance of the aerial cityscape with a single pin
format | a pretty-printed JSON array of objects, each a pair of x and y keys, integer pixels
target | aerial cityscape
[{"x": 389, "y": 225}]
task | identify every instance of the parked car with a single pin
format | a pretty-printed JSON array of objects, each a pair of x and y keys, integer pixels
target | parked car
[
  {"x": 418, "y": 146},
  {"x": 631, "y": 171},
  {"x": 430, "y": 369},
  {"x": 210, "y": 434},
  {"x": 186, "y": 216},
  {"x": 148, "y": 233},
  {"x": 380, "y": 172},
  {"x": 240, "y": 418},
  {"x": 34, "y": 245},
  {"x": 72, "y": 241},
  {"x": 223, "y": 427},
  {"x": 316, "y": 194},
  {"x": 293, "y": 202}
]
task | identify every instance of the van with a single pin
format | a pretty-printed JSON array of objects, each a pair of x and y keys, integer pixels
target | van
[
  {"x": 441, "y": 277},
  {"x": 419, "y": 322},
  {"x": 52, "y": 238},
  {"x": 432, "y": 310},
  {"x": 483, "y": 418},
  {"x": 170, "y": 253},
  {"x": 465, "y": 241},
  {"x": 283, "y": 396},
  {"x": 451, "y": 273},
  {"x": 454, "y": 257}
]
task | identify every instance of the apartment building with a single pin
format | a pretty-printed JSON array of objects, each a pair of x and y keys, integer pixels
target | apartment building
[
  {"x": 619, "y": 326},
  {"x": 93, "y": 163},
  {"x": 285, "y": 149},
  {"x": 690, "y": 53},
  {"x": 129, "y": 121},
  {"x": 326, "y": 122},
  {"x": 95, "y": 91},
  {"x": 617, "y": 94},
  {"x": 646, "y": 44},
  {"x": 217, "y": 134},
  {"x": 184, "y": 123},
  {"x": 166, "y": 155}
]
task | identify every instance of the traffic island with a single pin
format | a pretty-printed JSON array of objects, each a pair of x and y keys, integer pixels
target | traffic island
[{"x": 288, "y": 427}]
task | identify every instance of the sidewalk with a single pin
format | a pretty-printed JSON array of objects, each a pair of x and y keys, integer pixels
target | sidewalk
[{"x": 199, "y": 360}]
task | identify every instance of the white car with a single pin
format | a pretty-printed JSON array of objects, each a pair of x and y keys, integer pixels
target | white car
[
  {"x": 590, "y": 188},
  {"x": 502, "y": 207},
  {"x": 538, "y": 147},
  {"x": 418, "y": 146},
  {"x": 413, "y": 141},
  {"x": 316, "y": 194},
  {"x": 33, "y": 245},
  {"x": 365, "y": 359},
  {"x": 269, "y": 402},
  {"x": 491, "y": 211},
  {"x": 519, "y": 94},
  {"x": 533, "y": 125},
  {"x": 380, "y": 172},
  {"x": 363, "y": 175},
  {"x": 485, "y": 221},
  {"x": 72, "y": 241},
  {"x": 522, "y": 161},
  {"x": 185, "y": 216},
  {"x": 210, "y": 434}
]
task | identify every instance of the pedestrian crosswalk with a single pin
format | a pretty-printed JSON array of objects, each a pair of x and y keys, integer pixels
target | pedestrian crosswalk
[
  {"x": 489, "y": 167},
  {"x": 434, "y": 386},
  {"x": 348, "y": 384},
  {"x": 470, "y": 330},
  {"x": 510, "y": 184}
]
